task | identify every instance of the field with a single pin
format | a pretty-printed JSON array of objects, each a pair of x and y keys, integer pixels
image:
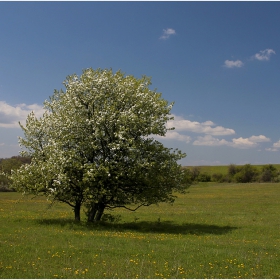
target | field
[
  {"x": 213, "y": 231},
  {"x": 223, "y": 169}
]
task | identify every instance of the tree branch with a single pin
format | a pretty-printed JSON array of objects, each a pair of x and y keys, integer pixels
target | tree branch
[{"x": 123, "y": 206}]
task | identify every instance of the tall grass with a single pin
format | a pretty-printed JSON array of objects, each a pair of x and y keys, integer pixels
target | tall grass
[{"x": 214, "y": 231}]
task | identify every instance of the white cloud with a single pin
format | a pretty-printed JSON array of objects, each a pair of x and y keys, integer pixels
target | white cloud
[
  {"x": 246, "y": 143},
  {"x": 259, "y": 139},
  {"x": 240, "y": 143},
  {"x": 275, "y": 147},
  {"x": 171, "y": 134},
  {"x": 11, "y": 115},
  {"x": 174, "y": 135},
  {"x": 182, "y": 125},
  {"x": 261, "y": 55},
  {"x": 243, "y": 143},
  {"x": 167, "y": 33},
  {"x": 232, "y": 64},
  {"x": 209, "y": 140},
  {"x": 207, "y": 127},
  {"x": 264, "y": 55}
]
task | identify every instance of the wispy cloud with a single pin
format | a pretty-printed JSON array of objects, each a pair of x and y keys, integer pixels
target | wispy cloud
[
  {"x": 167, "y": 33},
  {"x": 233, "y": 64},
  {"x": 261, "y": 56},
  {"x": 264, "y": 55},
  {"x": 11, "y": 115},
  {"x": 275, "y": 147}
]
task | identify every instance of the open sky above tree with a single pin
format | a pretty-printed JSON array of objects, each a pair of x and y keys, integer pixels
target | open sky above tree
[{"x": 219, "y": 62}]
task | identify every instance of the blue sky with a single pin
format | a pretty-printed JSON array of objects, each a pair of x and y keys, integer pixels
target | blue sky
[{"x": 218, "y": 61}]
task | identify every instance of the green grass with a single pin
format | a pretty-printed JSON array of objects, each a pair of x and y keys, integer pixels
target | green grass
[{"x": 214, "y": 231}]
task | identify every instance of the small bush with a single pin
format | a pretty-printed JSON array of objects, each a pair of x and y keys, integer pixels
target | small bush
[
  {"x": 191, "y": 175},
  {"x": 217, "y": 177},
  {"x": 226, "y": 179},
  {"x": 195, "y": 174},
  {"x": 6, "y": 189},
  {"x": 204, "y": 177}
]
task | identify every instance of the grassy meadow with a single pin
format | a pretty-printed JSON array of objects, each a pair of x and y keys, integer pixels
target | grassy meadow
[
  {"x": 213, "y": 231},
  {"x": 223, "y": 169}
]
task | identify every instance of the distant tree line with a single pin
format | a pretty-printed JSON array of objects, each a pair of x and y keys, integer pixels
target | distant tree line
[
  {"x": 237, "y": 174},
  {"x": 6, "y": 166}
]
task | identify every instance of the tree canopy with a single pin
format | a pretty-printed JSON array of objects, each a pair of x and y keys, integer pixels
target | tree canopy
[{"x": 94, "y": 145}]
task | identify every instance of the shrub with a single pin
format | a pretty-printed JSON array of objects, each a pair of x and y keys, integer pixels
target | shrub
[
  {"x": 269, "y": 174},
  {"x": 217, "y": 177},
  {"x": 226, "y": 179},
  {"x": 233, "y": 169},
  {"x": 247, "y": 174},
  {"x": 221, "y": 178},
  {"x": 204, "y": 177},
  {"x": 6, "y": 189},
  {"x": 195, "y": 174},
  {"x": 188, "y": 176}
]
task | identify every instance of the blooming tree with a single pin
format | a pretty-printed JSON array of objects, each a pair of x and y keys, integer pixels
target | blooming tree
[{"x": 93, "y": 146}]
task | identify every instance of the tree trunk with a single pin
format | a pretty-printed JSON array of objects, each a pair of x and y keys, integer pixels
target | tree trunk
[
  {"x": 77, "y": 210},
  {"x": 101, "y": 207},
  {"x": 96, "y": 210},
  {"x": 92, "y": 212}
]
